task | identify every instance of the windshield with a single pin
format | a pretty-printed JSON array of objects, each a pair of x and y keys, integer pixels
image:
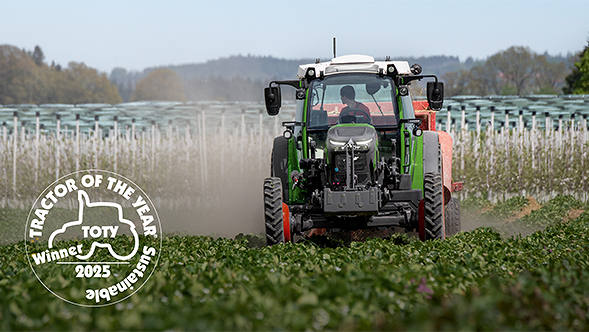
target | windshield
[{"x": 351, "y": 98}]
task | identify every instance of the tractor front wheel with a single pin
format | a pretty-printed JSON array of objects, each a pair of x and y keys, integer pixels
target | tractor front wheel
[
  {"x": 433, "y": 206},
  {"x": 273, "y": 211}
]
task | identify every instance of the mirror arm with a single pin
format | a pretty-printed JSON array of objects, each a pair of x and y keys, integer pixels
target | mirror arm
[
  {"x": 406, "y": 79},
  {"x": 415, "y": 121},
  {"x": 294, "y": 83}
]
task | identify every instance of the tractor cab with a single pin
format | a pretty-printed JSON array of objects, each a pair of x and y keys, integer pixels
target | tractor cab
[{"x": 350, "y": 100}]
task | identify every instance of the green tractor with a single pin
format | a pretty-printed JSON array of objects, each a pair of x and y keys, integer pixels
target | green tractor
[{"x": 356, "y": 157}]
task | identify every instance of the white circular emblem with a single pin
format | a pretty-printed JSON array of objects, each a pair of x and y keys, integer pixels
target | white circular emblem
[{"x": 93, "y": 238}]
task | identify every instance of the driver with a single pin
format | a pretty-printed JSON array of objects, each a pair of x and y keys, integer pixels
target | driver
[{"x": 348, "y": 95}]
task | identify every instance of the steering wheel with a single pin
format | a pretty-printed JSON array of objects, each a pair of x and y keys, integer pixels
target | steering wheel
[{"x": 347, "y": 117}]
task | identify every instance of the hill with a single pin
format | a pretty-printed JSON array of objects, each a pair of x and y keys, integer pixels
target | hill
[{"x": 242, "y": 78}]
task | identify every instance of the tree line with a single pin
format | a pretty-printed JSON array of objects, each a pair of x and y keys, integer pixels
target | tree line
[
  {"x": 515, "y": 71},
  {"x": 520, "y": 71},
  {"x": 25, "y": 78}
]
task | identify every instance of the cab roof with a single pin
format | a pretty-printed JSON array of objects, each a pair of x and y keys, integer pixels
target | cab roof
[{"x": 356, "y": 63}]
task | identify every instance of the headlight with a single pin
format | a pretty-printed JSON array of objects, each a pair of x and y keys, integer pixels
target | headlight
[
  {"x": 364, "y": 142},
  {"x": 336, "y": 143}
]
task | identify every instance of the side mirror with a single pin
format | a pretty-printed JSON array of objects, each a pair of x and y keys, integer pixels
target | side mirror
[
  {"x": 435, "y": 95},
  {"x": 372, "y": 88},
  {"x": 273, "y": 99}
]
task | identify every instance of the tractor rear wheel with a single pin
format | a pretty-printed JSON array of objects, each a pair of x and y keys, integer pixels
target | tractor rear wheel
[
  {"x": 273, "y": 211},
  {"x": 433, "y": 206},
  {"x": 452, "y": 217}
]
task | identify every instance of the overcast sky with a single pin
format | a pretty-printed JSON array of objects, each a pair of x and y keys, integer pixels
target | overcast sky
[{"x": 137, "y": 34}]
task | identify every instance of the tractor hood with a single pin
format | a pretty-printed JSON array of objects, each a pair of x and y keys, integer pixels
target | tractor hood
[
  {"x": 362, "y": 136},
  {"x": 351, "y": 150}
]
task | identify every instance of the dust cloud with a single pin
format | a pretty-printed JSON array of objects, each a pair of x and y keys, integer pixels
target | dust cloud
[{"x": 230, "y": 203}]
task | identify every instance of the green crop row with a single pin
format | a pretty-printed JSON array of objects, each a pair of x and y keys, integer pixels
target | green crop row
[{"x": 477, "y": 280}]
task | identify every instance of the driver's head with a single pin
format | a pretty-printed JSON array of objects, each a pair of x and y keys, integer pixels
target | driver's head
[{"x": 348, "y": 92}]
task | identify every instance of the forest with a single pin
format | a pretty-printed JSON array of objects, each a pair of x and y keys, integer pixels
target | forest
[{"x": 26, "y": 79}]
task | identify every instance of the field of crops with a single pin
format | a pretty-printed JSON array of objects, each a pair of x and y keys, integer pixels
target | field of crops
[
  {"x": 483, "y": 279},
  {"x": 517, "y": 266}
]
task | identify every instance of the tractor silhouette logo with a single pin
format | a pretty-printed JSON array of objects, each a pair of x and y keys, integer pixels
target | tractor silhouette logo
[{"x": 98, "y": 232}]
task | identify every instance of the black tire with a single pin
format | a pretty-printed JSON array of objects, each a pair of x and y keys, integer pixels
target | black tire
[
  {"x": 433, "y": 206},
  {"x": 452, "y": 217},
  {"x": 273, "y": 211}
]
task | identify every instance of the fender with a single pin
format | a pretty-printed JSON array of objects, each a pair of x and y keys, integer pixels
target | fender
[
  {"x": 437, "y": 157},
  {"x": 279, "y": 164},
  {"x": 446, "y": 144},
  {"x": 431, "y": 152}
]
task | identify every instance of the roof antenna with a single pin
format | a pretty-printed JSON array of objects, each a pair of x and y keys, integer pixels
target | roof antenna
[{"x": 334, "y": 47}]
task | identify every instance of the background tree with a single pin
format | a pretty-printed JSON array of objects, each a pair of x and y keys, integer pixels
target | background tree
[
  {"x": 515, "y": 71},
  {"x": 550, "y": 77},
  {"x": 578, "y": 81},
  {"x": 26, "y": 79},
  {"x": 79, "y": 84},
  {"x": 456, "y": 83},
  {"x": 38, "y": 56},
  {"x": 516, "y": 66},
  {"x": 124, "y": 82},
  {"x": 160, "y": 84},
  {"x": 20, "y": 77}
]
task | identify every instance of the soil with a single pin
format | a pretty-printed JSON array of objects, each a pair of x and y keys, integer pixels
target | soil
[
  {"x": 532, "y": 206},
  {"x": 573, "y": 214}
]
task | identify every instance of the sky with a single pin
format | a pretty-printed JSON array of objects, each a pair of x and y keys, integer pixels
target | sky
[{"x": 136, "y": 34}]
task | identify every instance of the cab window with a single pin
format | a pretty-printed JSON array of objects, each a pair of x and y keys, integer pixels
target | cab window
[{"x": 352, "y": 98}]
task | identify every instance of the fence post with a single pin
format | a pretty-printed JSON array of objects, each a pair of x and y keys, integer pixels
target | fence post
[
  {"x": 143, "y": 146},
  {"x": 449, "y": 120},
  {"x": 95, "y": 142},
  {"x": 37, "y": 134},
  {"x": 133, "y": 147},
  {"x": 492, "y": 123},
  {"x": 583, "y": 130},
  {"x": 462, "y": 118},
  {"x": 242, "y": 144},
  {"x": 152, "y": 157},
  {"x": 188, "y": 145},
  {"x": 115, "y": 139},
  {"x": 169, "y": 144},
  {"x": 14, "y": 152},
  {"x": 221, "y": 136},
  {"x": 521, "y": 150},
  {"x": 560, "y": 132},
  {"x": 204, "y": 141},
  {"x": 57, "y": 146},
  {"x": 533, "y": 138},
  {"x": 478, "y": 123}
]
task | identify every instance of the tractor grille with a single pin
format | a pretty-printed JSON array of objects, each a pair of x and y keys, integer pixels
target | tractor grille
[{"x": 361, "y": 168}]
